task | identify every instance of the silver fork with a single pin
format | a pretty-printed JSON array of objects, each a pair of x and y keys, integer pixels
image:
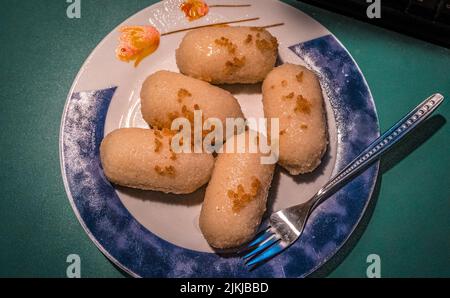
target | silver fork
[{"x": 286, "y": 226}]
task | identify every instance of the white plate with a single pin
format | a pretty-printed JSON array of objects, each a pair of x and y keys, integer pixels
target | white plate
[{"x": 159, "y": 220}]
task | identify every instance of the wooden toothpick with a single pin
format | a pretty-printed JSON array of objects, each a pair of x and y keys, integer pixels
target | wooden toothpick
[
  {"x": 231, "y": 5},
  {"x": 210, "y": 25},
  {"x": 274, "y": 25}
]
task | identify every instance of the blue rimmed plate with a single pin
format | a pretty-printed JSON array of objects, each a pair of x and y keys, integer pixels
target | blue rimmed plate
[{"x": 150, "y": 234}]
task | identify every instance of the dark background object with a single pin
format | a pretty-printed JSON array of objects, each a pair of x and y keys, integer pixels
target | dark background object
[{"x": 428, "y": 20}]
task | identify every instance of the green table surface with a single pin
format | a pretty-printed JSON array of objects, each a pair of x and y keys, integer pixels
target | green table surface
[{"x": 41, "y": 52}]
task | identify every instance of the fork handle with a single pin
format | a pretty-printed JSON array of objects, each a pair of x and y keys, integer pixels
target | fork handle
[{"x": 379, "y": 146}]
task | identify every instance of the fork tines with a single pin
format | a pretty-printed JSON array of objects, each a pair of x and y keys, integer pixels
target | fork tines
[{"x": 264, "y": 246}]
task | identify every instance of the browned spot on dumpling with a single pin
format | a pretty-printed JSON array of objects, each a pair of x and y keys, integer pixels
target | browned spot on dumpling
[
  {"x": 158, "y": 134},
  {"x": 234, "y": 65},
  {"x": 255, "y": 186},
  {"x": 284, "y": 83},
  {"x": 274, "y": 42},
  {"x": 170, "y": 171},
  {"x": 248, "y": 39},
  {"x": 240, "y": 198},
  {"x": 173, "y": 156},
  {"x": 158, "y": 145},
  {"x": 159, "y": 170},
  {"x": 157, "y": 124},
  {"x": 173, "y": 115},
  {"x": 289, "y": 96},
  {"x": 225, "y": 42},
  {"x": 189, "y": 115},
  {"x": 166, "y": 171},
  {"x": 299, "y": 77},
  {"x": 302, "y": 105},
  {"x": 265, "y": 45},
  {"x": 231, "y": 194},
  {"x": 182, "y": 94},
  {"x": 167, "y": 132}
]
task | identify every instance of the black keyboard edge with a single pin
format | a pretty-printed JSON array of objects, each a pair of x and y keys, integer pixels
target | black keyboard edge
[{"x": 391, "y": 19}]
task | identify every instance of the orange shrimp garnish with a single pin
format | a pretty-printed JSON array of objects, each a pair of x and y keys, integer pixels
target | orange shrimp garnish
[
  {"x": 194, "y": 9},
  {"x": 137, "y": 42}
]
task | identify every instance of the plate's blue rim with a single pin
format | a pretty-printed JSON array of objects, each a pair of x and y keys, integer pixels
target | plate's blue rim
[
  {"x": 370, "y": 175},
  {"x": 69, "y": 194}
]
